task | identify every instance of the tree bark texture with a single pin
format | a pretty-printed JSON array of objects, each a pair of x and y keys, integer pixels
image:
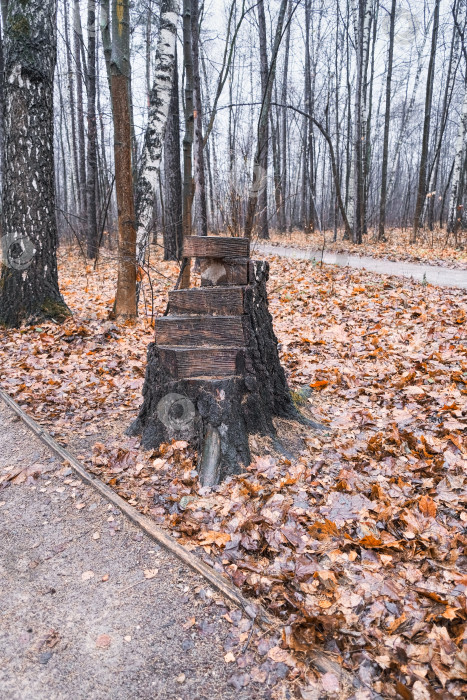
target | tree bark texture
[
  {"x": 200, "y": 171},
  {"x": 159, "y": 110},
  {"x": 91, "y": 180},
  {"x": 422, "y": 184},
  {"x": 125, "y": 300},
  {"x": 173, "y": 231},
  {"x": 29, "y": 281},
  {"x": 454, "y": 217},
  {"x": 387, "y": 118},
  {"x": 243, "y": 403},
  {"x": 260, "y": 158},
  {"x": 188, "y": 136},
  {"x": 77, "y": 39}
]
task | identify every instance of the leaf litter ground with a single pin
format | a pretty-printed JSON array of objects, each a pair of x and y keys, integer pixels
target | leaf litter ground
[
  {"x": 357, "y": 542},
  {"x": 433, "y": 247}
]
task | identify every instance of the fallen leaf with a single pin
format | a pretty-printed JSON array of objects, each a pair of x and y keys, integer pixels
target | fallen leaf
[
  {"x": 103, "y": 641},
  {"x": 427, "y": 506},
  {"x": 150, "y": 573}
]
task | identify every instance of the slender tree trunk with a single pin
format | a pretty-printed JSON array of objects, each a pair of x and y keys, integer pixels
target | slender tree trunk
[
  {"x": 78, "y": 37},
  {"x": 29, "y": 281},
  {"x": 106, "y": 36},
  {"x": 189, "y": 133},
  {"x": 264, "y": 135},
  {"x": 284, "y": 129},
  {"x": 71, "y": 100},
  {"x": 362, "y": 23},
  {"x": 125, "y": 299},
  {"x": 173, "y": 232},
  {"x": 261, "y": 144},
  {"x": 402, "y": 130},
  {"x": 429, "y": 205},
  {"x": 276, "y": 165},
  {"x": 159, "y": 101},
  {"x": 200, "y": 170},
  {"x": 454, "y": 219},
  {"x": 2, "y": 103},
  {"x": 387, "y": 121},
  {"x": 421, "y": 191},
  {"x": 91, "y": 184}
]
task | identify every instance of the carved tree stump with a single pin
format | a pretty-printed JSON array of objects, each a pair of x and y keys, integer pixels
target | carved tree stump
[{"x": 213, "y": 375}]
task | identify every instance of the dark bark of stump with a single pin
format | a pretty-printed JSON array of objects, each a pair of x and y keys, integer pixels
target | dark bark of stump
[{"x": 235, "y": 406}]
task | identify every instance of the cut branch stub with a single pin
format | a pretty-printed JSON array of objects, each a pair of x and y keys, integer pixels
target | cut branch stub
[{"x": 216, "y": 357}]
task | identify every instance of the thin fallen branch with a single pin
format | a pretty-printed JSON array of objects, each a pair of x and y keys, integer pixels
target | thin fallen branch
[
  {"x": 318, "y": 659},
  {"x": 252, "y": 609}
]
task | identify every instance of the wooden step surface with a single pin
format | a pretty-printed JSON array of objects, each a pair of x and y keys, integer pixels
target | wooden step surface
[
  {"x": 200, "y": 330},
  {"x": 226, "y": 301},
  {"x": 187, "y": 363},
  {"x": 216, "y": 247}
]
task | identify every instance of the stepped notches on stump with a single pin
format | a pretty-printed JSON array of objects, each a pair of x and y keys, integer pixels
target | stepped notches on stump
[{"x": 216, "y": 355}]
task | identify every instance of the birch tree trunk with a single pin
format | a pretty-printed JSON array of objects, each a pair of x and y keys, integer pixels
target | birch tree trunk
[
  {"x": 454, "y": 220},
  {"x": 159, "y": 102},
  {"x": 29, "y": 281}
]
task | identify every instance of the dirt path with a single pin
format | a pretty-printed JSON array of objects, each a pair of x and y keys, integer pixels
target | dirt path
[
  {"x": 422, "y": 272},
  {"x": 90, "y": 607}
]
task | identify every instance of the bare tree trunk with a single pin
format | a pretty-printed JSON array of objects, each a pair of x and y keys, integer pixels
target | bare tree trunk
[
  {"x": 159, "y": 100},
  {"x": 258, "y": 163},
  {"x": 173, "y": 232},
  {"x": 106, "y": 36},
  {"x": 200, "y": 171},
  {"x": 454, "y": 220},
  {"x": 2, "y": 103},
  {"x": 78, "y": 37},
  {"x": 387, "y": 121},
  {"x": 264, "y": 134},
  {"x": 125, "y": 299},
  {"x": 402, "y": 131},
  {"x": 429, "y": 204},
  {"x": 283, "y": 172},
  {"x": 362, "y": 23},
  {"x": 189, "y": 133},
  {"x": 421, "y": 192},
  {"x": 91, "y": 185},
  {"x": 29, "y": 282},
  {"x": 71, "y": 100}
]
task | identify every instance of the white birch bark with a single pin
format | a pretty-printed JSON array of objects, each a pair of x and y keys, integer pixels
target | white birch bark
[
  {"x": 461, "y": 143},
  {"x": 157, "y": 119}
]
